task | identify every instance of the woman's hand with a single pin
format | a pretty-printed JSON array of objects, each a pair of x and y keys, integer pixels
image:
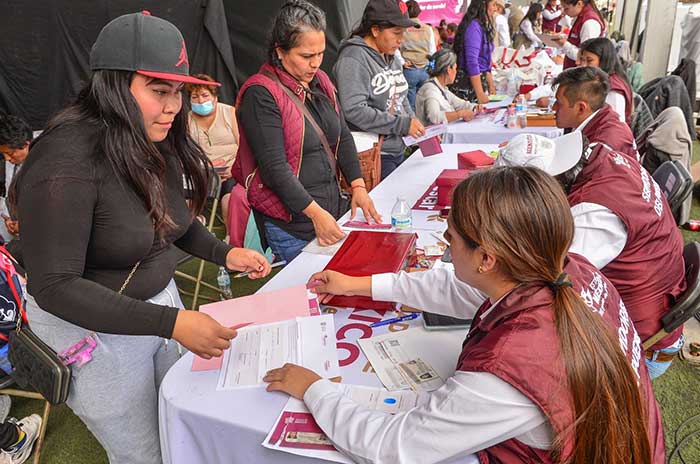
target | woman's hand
[
  {"x": 327, "y": 284},
  {"x": 466, "y": 115},
  {"x": 483, "y": 98},
  {"x": 417, "y": 129},
  {"x": 201, "y": 334},
  {"x": 250, "y": 261},
  {"x": 291, "y": 379},
  {"x": 361, "y": 199},
  {"x": 326, "y": 227},
  {"x": 542, "y": 102},
  {"x": 559, "y": 40}
]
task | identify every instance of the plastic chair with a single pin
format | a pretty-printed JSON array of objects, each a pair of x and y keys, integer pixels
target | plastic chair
[
  {"x": 214, "y": 193},
  {"x": 5, "y": 384},
  {"x": 676, "y": 183},
  {"x": 688, "y": 303}
]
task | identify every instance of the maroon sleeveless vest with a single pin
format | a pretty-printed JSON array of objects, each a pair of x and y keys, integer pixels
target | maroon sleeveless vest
[
  {"x": 617, "y": 84},
  {"x": 606, "y": 127},
  {"x": 245, "y": 169},
  {"x": 551, "y": 24},
  {"x": 649, "y": 273},
  {"x": 575, "y": 35},
  {"x": 517, "y": 341}
]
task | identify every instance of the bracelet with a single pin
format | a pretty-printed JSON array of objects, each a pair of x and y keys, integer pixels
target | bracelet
[{"x": 359, "y": 186}]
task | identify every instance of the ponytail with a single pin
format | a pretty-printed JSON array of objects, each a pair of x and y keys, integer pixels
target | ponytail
[{"x": 609, "y": 415}]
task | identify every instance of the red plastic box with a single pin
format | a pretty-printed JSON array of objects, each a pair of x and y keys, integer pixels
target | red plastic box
[
  {"x": 446, "y": 182},
  {"x": 471, "y": 160}
]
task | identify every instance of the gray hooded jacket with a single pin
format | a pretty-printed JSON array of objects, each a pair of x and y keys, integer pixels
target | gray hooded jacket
[{"x": 366, "y": 86}]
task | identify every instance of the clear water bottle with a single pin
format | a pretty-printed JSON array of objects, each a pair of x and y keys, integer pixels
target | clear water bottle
[
  {"x": 512, "y": 88},
  {"x": 224, "y": 282},
  {"x": 401, "y": 215},
  {"x": 511, "y": 117},
  {"x": 521, "y": 110},
  {"x": 548, "y": 79}
]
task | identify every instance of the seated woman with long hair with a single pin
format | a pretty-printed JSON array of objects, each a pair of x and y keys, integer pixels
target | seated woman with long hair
[
  {"x": 551, "y": 369},
  {"x": 602, "y": 54}
]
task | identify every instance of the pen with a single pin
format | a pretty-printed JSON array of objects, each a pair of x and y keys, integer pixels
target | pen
[
  {"x": 406, "y": 317},
  {"x": 273, "y": 265}
]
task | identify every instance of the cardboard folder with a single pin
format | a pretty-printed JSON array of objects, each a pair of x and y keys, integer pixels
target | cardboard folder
[{"x": 365, "y": 253}]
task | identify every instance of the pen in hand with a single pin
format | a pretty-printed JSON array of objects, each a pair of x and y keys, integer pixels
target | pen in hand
[
  {"x": 407, "y": 317},
  {"x": 273, "y": 265}
]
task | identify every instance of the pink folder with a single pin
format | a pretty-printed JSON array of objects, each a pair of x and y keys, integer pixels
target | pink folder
[{"x": 260, "y": 308}]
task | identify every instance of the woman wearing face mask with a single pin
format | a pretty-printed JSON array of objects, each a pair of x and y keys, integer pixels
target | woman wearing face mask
[
  {"x": 544, "y": 375},
  {"x": 372, "y": 89},
  {"x": 435, "y": 103},
  {"x": 104, "y": 219},
  {"x": 213, "y": 126},
  {"x": 288, "y": 114}
]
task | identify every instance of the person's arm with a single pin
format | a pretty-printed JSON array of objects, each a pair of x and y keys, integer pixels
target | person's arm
[
  {"x": 354, "y": 87},
  {"x": 599, "y": 234},
  {"x": 470, "y": 412},
  {"x": 197, "y": 241},
  {"x": 457, "y": 103},
  {"x": 526, "y": 28},
  {"x": 433, "y": 112},
  {"x": 590, "y": 30},
  {"x": 262, "y": 122},
  {"x": 56, "y": 215},
  {"x": 617, "y": 101},
  {"x": 550, "y": 15}
]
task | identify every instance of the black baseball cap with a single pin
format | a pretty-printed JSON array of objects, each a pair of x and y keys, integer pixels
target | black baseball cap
[
  {"x": 144, "y": 44},
  {"x": 394, "y": 12}
]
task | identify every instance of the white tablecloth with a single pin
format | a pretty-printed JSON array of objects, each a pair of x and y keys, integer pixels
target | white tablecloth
[
  {"x": 200, "y": 425},
  {"x": 485, "y": 131}
]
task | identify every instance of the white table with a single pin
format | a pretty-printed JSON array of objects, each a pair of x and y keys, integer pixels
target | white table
[
  {"x": 483, "y": 130},
  {"x": 200, "y": 425}
]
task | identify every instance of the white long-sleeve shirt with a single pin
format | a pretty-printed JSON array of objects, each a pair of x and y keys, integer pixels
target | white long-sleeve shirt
[
  {"x": 527, "y": 29},
  {"x": 550, "y": 15},
  {"x": 590, "y": 30},
  {"x": 502, "y": 30}
]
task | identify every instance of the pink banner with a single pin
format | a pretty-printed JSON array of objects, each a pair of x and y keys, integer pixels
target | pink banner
[{"x": 435, "y": 10}]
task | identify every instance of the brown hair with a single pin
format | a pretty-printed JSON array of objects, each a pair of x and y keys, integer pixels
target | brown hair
[
  {"x": 521, "y": 216},
  {"x": 584, "y": 83},
  {"x": 205, "y": 77}
]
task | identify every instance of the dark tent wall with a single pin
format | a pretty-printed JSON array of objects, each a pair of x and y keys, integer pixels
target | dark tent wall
[
  {"x": 46, "y": 45},
  {"x": 250, "y": 23}
]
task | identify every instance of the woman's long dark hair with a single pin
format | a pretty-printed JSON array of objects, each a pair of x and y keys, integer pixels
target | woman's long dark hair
[
  {"x": 478, "y": 10},
  {"x": 521, "y": 216},
  {"x": 106, "y": 101},
  {"x": 532, "y": 12},
  {"x": 604, "y": 49}
]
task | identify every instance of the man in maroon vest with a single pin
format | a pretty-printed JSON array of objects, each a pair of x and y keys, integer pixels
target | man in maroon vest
[
  {"x": 580, "y": 105},
  {"x": 623, "y": 226}
]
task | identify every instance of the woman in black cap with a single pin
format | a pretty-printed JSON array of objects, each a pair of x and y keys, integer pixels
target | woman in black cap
[
  {"x": 372, "y": 88},
  {"x": 103, "y": 216}
]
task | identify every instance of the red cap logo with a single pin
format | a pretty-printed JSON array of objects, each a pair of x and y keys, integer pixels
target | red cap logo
[
  {"x": 403, "y": 7},
  {"x": 183, "y": 57}
]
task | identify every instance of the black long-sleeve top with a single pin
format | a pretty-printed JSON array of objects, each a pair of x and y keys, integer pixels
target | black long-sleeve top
[
  {"x": 83, "y": 229},
  {"x": 262, "y": 122}
]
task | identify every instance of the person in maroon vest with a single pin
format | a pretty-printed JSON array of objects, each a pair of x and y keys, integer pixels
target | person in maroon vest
[
  {"x": 512, "y": 400},
  {"x": 551, "y": 17},
  {"x": 291, "y": 177},
  {"x": 601, "y": 53},
  {"x": 580, "y": 105},
  {"x": 623, "y": 226},
  {"x": 589, "y": 24}
]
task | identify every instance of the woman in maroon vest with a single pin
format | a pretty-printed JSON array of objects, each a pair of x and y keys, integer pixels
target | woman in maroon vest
[
  {"x": 544, "y": 375},
  {"x": 601, "y": 53},
  {"x": 589, "y": 24},
  {"x": 551, "y": 17},
  {"x": 293, "y": 136}
]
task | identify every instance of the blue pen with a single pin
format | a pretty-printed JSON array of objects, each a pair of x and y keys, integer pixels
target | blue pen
[{"x": 407, "y": 317}]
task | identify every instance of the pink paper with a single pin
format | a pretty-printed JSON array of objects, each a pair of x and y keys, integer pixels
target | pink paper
[
  {"x": 259, "y": 308},
  {"x": 431, "y": 146}
]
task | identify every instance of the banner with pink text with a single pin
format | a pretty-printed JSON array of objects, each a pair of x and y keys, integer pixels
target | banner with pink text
[{"x": 435, "y": 10}]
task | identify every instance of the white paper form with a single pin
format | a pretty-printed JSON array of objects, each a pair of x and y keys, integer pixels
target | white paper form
[
  {"x": 430, "y": 132},
  {"x": 307, "y": 341},
  {"x": 415, "y": 359},
  {"x": 295, "y": 430}
]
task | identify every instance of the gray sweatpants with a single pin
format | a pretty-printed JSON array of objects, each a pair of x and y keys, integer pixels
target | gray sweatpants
[{"x": 116, "y": 394}]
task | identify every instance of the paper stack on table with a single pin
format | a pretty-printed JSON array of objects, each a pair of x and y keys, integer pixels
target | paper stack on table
[
  {"x": 415, "y": 358},
  {"x": 306, "y": 341},
  {"x": 295, "y": 430}
]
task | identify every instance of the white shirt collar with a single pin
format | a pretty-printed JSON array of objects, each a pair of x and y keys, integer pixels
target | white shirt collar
[{"x": 588, "y": 119}]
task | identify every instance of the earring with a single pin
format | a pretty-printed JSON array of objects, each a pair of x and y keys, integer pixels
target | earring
[{"x": 481, "y": 269}]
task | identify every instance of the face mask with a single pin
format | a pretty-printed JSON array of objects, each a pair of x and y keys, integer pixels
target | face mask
[{"x": 203, "y": 109}]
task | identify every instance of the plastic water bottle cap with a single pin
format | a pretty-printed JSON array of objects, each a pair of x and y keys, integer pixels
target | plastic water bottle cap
[{"x": 390, "y": 400}]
